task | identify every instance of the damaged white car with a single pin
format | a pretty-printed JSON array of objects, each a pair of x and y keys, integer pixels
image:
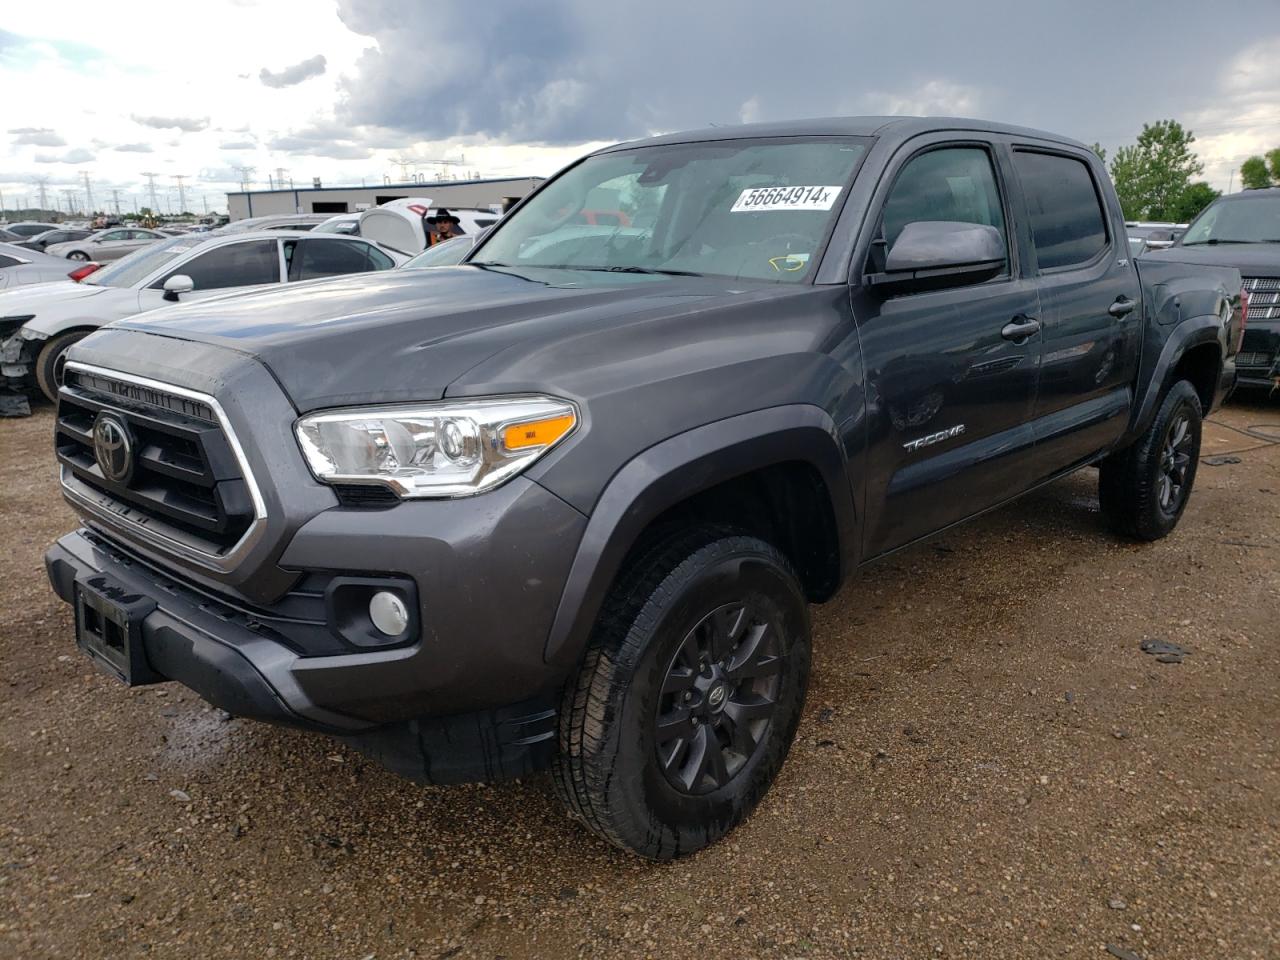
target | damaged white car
[{"x": 39, "y": 323}]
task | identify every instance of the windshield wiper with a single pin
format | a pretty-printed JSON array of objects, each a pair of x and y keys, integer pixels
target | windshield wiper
[
  {"x": 628, "y": 269},
  {"x": 1214, "y": 241}
]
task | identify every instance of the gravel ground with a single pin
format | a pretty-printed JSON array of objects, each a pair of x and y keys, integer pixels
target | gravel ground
[{"x": 989, "y": 766}]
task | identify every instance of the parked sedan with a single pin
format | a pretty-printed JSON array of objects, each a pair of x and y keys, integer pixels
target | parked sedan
[
  {"x": 19, "y": 267},
  {"x": 29, "y": 228},
  {"x": 42, "y": 241},
  {"x": 178, "y": 269},
  {"x": 106, "y": 245}
]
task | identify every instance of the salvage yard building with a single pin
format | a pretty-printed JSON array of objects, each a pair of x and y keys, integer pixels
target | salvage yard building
[{"x": 333, "y": 200}]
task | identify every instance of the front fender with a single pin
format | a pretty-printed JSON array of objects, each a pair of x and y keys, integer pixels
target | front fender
[{"x": 676, "y": 469}]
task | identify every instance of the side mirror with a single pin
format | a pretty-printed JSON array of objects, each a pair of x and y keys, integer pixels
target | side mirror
[
  {"x": 941, "y": 253},
  {"x": 177, "y": 284}
]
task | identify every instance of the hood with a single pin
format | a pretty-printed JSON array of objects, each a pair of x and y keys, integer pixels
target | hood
[
  {"x": 34, "y": 299},
  {"x": 405, "y": 335},
  {"x": 1251, "y": 259}
]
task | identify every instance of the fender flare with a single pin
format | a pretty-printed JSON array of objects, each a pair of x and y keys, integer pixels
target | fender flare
[
  {"x": 1192, "y": 332},
  {"x": 672, "y": 471}
]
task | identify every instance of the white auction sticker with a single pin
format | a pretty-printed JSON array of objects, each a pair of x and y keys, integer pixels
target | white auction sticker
[{"x": 763, "y": 199}]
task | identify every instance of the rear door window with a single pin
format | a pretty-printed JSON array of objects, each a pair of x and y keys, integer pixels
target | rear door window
[
  {"x": 312, "y": 259},
  {"x": 1068, "y": 225}
]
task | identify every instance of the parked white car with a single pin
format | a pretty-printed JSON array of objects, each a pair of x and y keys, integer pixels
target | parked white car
[
  {"x": 178, "y": 269},
  {"x": 19, "y": 267}
]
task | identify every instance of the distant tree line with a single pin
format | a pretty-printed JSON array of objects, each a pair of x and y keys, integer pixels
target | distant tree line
[
  {"x": 1258, "y": 172},
  {"x": 1155, "y": 177}
]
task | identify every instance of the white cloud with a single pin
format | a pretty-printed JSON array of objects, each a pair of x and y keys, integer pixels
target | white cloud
[
  {"x": 290, "y": 76},
  {"x": 37, "y": 137},
  {"x": 186, "y": 124}
]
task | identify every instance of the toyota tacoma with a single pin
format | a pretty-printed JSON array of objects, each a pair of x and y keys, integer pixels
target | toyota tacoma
[{"x": 566, "y": 503}]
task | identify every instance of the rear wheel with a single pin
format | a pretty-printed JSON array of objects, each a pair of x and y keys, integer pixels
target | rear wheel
[
  {"x": 78, "y": 255},
  {"x": 689, "y": 696},
  {"x": 52, "y": 358},
  {"x": 1144, "y": 488}
]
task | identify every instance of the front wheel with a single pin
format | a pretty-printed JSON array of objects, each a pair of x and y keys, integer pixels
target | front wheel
[
  {"x": 52, "y": 358},
  {"x": 689, "y": 696},
  {"x": 1144, "y": 488},
  {"x": 79, "y": 255}
]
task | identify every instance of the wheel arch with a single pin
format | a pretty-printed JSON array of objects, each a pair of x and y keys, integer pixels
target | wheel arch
[
  {"x": 785, "y": 460},
  {"x": 1194, "y": 351}
]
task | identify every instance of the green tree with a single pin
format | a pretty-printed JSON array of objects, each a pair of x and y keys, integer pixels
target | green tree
[
  {"x": 1152, "y": 175},
  {"x": 1100, "y": 150},
  {"x": 1254, "y": 174},
  {"x": 1273, "y": 164},
  {"x": 1194, "y": 199}
]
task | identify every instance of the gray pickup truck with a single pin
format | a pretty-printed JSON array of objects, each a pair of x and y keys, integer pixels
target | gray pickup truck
[{"x": 566, "y": 504}]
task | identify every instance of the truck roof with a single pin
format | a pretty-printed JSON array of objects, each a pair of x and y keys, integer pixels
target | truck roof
[{"x": 897, "y": 128}]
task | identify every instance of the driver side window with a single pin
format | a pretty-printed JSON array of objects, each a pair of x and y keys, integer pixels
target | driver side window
[
  {"x": 950, "y": 183},
  {"x": 233, "y": 265}
]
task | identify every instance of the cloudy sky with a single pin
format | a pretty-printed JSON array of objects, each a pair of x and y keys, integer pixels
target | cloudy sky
[{"x": 343, "y": 89}]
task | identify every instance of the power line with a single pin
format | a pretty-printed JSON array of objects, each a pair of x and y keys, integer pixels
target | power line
[
  {"x": 41, "y": 183},
  {"x": 245, "y": 174},
  {"x": 151, "y": 188},
  {"x": 182, "y": 193},
  {"x": 88, "y": 192}
]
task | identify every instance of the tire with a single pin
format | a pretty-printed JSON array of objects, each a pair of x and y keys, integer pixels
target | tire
[
  {"x": 647, "y": 791},
  {"x": 49, "y": 361},
  {"x": 1144, "y": 488},
  {"x": 78, "y": 255}
]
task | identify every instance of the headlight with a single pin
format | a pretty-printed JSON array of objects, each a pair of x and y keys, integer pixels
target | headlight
[{"x": 446, "y": 449}]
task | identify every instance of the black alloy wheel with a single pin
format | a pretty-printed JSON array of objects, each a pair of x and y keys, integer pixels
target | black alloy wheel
[
  {"x": 718, "y": 698},
  {"x": 1175, "y": 462}
]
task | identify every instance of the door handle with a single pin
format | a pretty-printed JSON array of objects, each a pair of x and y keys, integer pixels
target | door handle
[
  {"x": 1122, "y": 307},
  {"x": 1019, "y": 328}
]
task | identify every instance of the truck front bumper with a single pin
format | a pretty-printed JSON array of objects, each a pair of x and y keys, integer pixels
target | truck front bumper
[{"x": 191, "y": 639}]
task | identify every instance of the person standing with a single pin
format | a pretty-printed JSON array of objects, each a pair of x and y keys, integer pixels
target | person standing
[{"x": 444, "y": 226}]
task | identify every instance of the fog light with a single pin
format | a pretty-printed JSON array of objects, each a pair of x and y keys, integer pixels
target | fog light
[{"x": 388, "y": 613}]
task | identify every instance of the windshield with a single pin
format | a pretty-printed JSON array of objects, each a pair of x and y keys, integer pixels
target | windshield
[
  {"x": 1251, "y": 220},
  {"x": 757, "y": 209},
  {"x": 127, "y": 271},
  {"x": 443, "y": 254}
]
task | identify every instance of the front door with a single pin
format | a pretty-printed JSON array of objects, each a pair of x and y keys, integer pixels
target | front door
[
  {"x": 1091, "y": 310},
  {"x": 950, "y": 391}
]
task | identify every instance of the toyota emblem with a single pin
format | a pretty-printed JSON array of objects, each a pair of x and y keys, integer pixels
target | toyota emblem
[{"x": 112, "y": 448}]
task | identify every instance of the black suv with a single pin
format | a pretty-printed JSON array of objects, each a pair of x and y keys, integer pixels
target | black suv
[
  {"x": 1242, "y": 230},
  {"x": 567, "y": 503}
]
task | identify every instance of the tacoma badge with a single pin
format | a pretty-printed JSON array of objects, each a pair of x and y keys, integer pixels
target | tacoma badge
[{"x": 933, "y": 438}]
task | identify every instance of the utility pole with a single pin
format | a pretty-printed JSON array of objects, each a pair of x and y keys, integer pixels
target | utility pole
[
  {"x": 71, "y": 200},
  {"x": 151, "y": 188},
  {"x": 40, "y": 185},
  {"x": 245, "y": 174},
  {"x": 88, "y": 192},
  {"x": 280, "y": 172},
  {"x": 182, "y": 193},
  {"x": 115, "y": 200}
]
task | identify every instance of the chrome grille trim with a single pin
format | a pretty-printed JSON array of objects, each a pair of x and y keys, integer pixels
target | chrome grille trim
[
  {"x": 1264, "y": 297},
  {"x": 223, "y": 562}
]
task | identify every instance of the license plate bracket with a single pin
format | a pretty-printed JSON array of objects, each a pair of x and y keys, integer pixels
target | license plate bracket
[{"x": 109, "y": 628}]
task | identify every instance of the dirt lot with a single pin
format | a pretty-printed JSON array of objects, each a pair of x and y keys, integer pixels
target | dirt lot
[{"x": 988, "y": 766}]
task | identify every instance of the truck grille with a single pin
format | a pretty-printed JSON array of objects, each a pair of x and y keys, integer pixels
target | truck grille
[
  {"x": 1264, "y": 297},
  {"x": 1253, "y": 359},
  {"x": 184, "y": 488}
]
